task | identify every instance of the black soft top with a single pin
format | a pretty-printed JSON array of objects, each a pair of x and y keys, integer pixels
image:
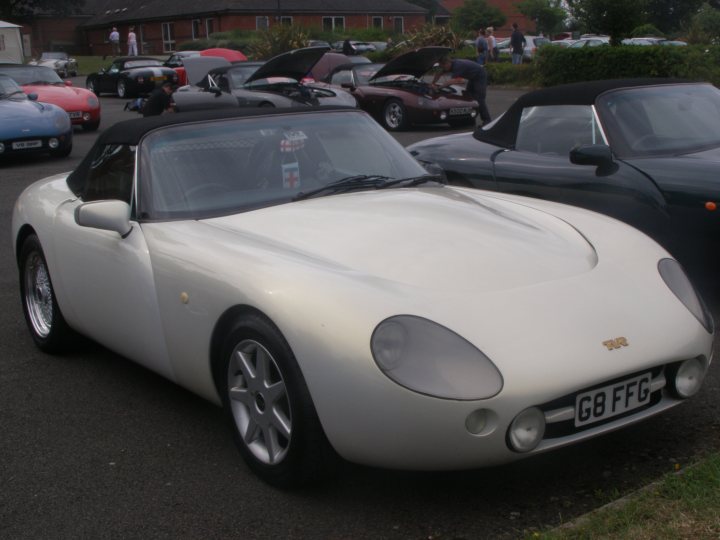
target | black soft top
[
  {"x": 504, "y": 131},
  {"x": 130, "y": 132}
]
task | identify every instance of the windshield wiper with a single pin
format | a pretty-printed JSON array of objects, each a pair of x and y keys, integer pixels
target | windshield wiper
[
  {"x": 359, "y": 181},
  {"x": 413, "y": 181}
]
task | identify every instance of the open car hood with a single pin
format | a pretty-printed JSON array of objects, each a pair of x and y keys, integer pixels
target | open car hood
[
  {"x": 197, "y": 67},
  {"x": 415, "y": 63},
  {"x": 294, "y": 64}
]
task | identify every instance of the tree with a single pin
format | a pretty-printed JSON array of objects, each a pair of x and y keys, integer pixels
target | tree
[
  {"x": 549, "y": 15},
  {"x": 670, "y": 15},
  {"x": 705, "y": 25},
  {"x": 475, "y": 14},
  {"x": 616, "y": 18},
  {"x": 26, "y": 9}
]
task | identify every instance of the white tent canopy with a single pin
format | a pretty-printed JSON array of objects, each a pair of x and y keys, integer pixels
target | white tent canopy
[{"x": 11, "y": 49}]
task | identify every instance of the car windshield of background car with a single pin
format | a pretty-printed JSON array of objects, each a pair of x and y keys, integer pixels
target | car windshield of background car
[
  {"x": 557, "y": 129},
  {"x": 236, "y": 165},
  {"x": 142, "y": 63},
  {"x": 363, "y": 74},
  {"x": 32, "y": 75},
  {"x": 9, "y": 88},
  {"x": 662, "y": 120},
  {"x": 240, "y": 74}
]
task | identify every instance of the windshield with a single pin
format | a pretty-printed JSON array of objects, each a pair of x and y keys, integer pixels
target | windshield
[
  {"x": 9, "y": 87},
  {"x": 240, "y": 74},
  {"x": 31, "y": 74},
  {"x": 236, "y": 165},
  {"x": 662, "y": 120},
  {"x": 142, "y": 63},
  {"x": 363, "y": 73},
  {"x": 53, "y": 56}
]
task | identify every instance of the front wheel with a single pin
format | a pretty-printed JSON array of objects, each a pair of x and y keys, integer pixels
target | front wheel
[
  {"x": 394, "y": 115},
  {"x": 90, "y": 85},
  {"x": 46, "y": 323},
  {"x": 122, "y": 90},
  {"x": 267, "y": 401}
]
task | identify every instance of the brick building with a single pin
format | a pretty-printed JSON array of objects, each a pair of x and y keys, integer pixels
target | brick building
[{"x": 161, "y": 25}]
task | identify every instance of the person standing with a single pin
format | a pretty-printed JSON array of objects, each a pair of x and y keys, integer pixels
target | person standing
[
  {"x": 132, "y": 42},
  {"x": 492, "y": 44},
  {"x": 476, "y": 77},
  {"x": 517, "y": 44},
  {"x": 115, "y": 41},
  {"x": 481, "y": 45}
]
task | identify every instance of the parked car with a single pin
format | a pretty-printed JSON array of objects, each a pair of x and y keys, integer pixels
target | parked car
[
  {"x": 358, "y": 47},
  {"x": 591, "y": 41},
  {"x": 302, "y": 270},
  {"x": 563, "y": 42},
  {"x": 81, "y": 105},
  {"x": 396, "y": 95},
  {"x": 60, "y": 62},
  {"x": 175, "y": 61},
  {"x": 275, "y": 83},
  {"x": 130, "y": 76},
  {"x": 29, "y": 127},
  {"x": 643, "y": 151},
  {"x": 532, "y": 43}
]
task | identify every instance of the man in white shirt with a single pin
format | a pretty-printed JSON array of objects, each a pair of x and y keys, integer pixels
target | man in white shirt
[
  {"x": 132, "y": 42},
  {"x": 115, "y": 41}
]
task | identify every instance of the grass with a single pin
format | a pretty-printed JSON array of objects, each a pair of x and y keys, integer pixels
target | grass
[
  {"x": 91, "y": 64},
  {"x": 681, "y": 506}
]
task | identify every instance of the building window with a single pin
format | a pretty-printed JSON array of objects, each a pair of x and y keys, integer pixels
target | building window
[
  {"x": 442, "y": 20},
  {"x": 287, "y": 21},
  {"x": 209, "y": 26},
  {"x": 261, "y": 23},
  {"x": 168, "y": 36},
  {"x": 398, "y": 25},
  {"x": 377, "y": 22},
  {"x": 333, "y": 24},
  {"x": 196, "y": 29}
]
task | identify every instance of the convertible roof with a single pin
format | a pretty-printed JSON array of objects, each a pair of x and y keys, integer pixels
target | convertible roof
[
  {"x": 504, "y": 131},
  {"x": 130, "y": 132}
]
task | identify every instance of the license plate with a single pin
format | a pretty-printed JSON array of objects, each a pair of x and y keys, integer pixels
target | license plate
[
  {"x": 75, "y": 115},
  {"x": 19, "y": 145},
  {"x": 612, "y": 400},
  {"x": 455, "y": 111}
]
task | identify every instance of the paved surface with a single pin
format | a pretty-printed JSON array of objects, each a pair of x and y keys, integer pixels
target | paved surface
[{"x": 93, "y": 446}]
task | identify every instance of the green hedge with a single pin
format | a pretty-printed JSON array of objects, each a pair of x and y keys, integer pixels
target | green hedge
[{"x": 555, "y": 65}]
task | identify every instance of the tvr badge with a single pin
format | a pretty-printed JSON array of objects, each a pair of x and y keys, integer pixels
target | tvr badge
[{"x": 617, "y": 343}]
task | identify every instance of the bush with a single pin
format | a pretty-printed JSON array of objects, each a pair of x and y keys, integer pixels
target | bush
[
  {"x": 646, "y": 30},
  {"x": 277, "y": 40},
  {"x": 505, "y": 73}
]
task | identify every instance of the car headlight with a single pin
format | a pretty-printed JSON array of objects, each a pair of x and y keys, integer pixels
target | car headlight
[
  {"x": 676, "y": 280},
  {"x": 430, "y": 359},
  {"x": 527, "y": 430},
  {"x": 93, "y": 102}
]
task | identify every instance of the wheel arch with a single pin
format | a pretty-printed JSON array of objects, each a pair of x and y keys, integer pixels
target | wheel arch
[{"x": 25, "y": 231}]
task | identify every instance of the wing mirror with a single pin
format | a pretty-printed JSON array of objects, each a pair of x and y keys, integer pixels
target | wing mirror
[
  {"x": 348, "y": 85},
  {"x": 32, "y": 97},
  {"x": 111, "y": 215},
  {"x": 68, "y": 83},
  {"x": 598, "y": 155},
  {"x": 215, "y": 90},
  {"x": 101, "y": 71}
]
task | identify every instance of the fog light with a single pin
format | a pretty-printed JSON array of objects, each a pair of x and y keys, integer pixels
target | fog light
[
  {"x": 443, "y": 115},
  {"x": 476, "y": 421},
  {"x": 688, "y": 377},
  {"x": 53, "y": 143},
  {"x": 527, "y": 430},
  {"x": 86, "y": 116},
  {"x": 474, "y": 113},
  {"x": 2, "y": 147}
]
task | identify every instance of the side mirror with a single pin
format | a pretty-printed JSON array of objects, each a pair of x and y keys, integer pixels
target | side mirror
[
  {"x": 215, "y": 90},
  {"x": 68, "y": 83},
  {"x": 101, "y": 71},
  {"x": 32, "y": 97},
  {"x": 598, "y": 155},
  {"x": 111, "y": 215},
  {"x": 347, "y": 85}
]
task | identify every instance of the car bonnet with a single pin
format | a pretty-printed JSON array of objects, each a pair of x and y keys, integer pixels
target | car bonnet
[
  {"x": 415, "y": 63},
  {"x": 294, "y": 64}
]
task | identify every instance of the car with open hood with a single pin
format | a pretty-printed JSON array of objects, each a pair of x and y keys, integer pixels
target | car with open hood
[
  {"x": 397, "y": 96},
  {"x": 60, "y": 62},
  {"x": 275, "y": 83},
  {"x": 31, "y": 127},
  {"x": 130, "y": 76},
  {"x": 81, "y": 105},
  {"x": 646, "y": 151},
  {"x": 301, "y": 269}
]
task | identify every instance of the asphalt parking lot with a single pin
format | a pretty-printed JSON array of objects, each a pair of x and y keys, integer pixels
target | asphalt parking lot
[{"x": 94, "y": 446}]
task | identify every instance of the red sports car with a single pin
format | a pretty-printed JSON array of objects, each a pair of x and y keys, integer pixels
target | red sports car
[{"x": 82, "y": 106}]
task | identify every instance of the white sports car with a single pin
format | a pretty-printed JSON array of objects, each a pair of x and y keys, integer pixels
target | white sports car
[{"x": 302, "y": 270}]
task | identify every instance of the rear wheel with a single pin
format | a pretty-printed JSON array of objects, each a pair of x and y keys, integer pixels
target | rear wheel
[
  {"x": 267, "y": 401},
  {"x": 394, "y": 115},
  {"x": 46, "y": 323}
]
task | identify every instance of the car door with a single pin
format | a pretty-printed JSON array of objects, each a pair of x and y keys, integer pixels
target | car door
[
  {"x": 539, "y": 166},
  {"x": 109, "y": 278},
  {"x": 107, "y": 82}
]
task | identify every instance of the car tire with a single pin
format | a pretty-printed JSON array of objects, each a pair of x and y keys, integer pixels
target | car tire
[
  {"x": 122, "y": 90},
  {"x": 91, "y": 126},
  {"x": 394, "y": 115},
  {"x": 45, "y": 321},
  {"x": 90, "y": 85},
  {"x": 269, "y": 406}
]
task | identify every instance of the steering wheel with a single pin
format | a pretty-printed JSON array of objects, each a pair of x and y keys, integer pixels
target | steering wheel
[{"x": 211, "y": 187}]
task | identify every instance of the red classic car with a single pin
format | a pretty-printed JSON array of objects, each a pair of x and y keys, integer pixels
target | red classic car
[{"x": 82, "y": 106}]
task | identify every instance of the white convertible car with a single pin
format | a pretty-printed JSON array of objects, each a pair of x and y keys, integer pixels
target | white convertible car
[{"x": 302, "y": 270}]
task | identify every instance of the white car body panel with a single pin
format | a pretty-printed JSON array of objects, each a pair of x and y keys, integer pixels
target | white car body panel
[{"x": 327, "y": 271}]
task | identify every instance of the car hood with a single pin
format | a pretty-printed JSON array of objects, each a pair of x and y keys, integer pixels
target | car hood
[
  {"x": 434, "y": 238},
  {"x": 49, "y": 63},
  {"x": 415, "y": 63},
  {"x": 30, "y": 118},
  {"x": 64, "y": 96},
  {"x": 293, "y": 64},
  {"x": 197, "y": 67}
]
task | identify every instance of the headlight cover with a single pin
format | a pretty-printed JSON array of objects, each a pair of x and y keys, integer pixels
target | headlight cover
[
  {"x": 676, "y": 280},
  {"x": 427, "y": 358},
  {"x": 93, "y": 102}
]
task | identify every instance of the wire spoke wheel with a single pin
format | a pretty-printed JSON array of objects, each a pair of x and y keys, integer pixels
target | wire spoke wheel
[
  {"x": 38, "y": 295},
  {"x": 394, "y": 115}
]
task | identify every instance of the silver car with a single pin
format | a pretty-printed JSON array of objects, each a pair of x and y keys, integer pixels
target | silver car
[{"x": 61, "y": 62}]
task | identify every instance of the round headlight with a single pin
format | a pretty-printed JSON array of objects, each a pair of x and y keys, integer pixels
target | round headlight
[
  {"x": 86, "y": 116},
  {"x": 53, "y": 143},
  {"x": 688, "y": 377},
  {"x": 527, "y": 430},
  {"x": 675, "y": 278},
  {"x": 93, "y": 102},
  {"x": 473, "y": 114},
  {"x": 430, "y": 359}
]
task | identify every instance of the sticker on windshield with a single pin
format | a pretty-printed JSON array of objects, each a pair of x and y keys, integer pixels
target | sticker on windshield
[{"x": 291, "y": 175}]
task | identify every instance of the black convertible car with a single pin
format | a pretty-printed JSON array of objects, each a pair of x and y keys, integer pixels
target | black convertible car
[
  {"x": 129, "y": 76},
  {"x": 644, "y": 151}
]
